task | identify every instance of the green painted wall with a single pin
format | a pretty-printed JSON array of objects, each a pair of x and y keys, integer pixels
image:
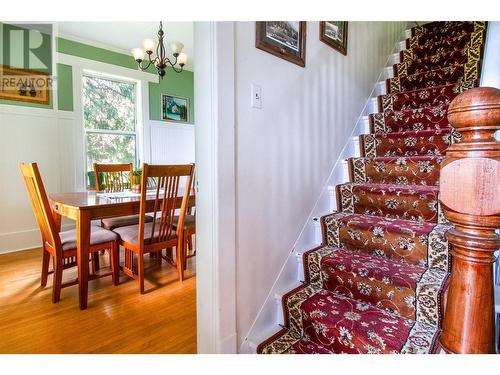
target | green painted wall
[
  {"x": 64, "y": 87},
  {"x": 174, "y": 84},
  {"x": 70, "y": 47}
]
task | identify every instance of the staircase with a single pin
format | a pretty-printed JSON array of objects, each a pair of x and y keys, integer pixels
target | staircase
[{"x": 378, "y": 282}]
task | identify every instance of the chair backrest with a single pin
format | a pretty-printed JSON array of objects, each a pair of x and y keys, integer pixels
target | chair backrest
[
  {"x": 191, "y": 209},
  {"x": 41, "y": 207},
  {"x": 166, "y": 196},
  {"x": 116, "y": 176}
]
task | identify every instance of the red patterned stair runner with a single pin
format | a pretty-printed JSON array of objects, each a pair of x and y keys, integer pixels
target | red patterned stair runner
[{"x": 377, "y": 283}]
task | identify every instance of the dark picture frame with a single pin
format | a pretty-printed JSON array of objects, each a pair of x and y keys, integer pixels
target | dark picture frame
[
  {"x": 328, "y": 31},
  {"x": 284, "y": 39},
  {"x": 174, "y": 108}
]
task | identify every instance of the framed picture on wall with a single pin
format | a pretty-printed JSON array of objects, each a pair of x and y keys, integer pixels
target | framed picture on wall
[
  {"x": 24, "y": 85},
  {"x": 285, "y": 39},
  {"x": 334, "y": 33},
  {"x": 174, "y": 108}
]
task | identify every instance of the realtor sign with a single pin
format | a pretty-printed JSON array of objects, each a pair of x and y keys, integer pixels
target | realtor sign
[{"x": 26, "y": 62}]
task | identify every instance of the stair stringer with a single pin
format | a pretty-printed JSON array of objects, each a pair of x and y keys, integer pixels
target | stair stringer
[{"x": 270, "y": 315}]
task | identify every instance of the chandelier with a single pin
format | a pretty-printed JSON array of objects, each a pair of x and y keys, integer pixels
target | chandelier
[{"x": 161, "y": 61}]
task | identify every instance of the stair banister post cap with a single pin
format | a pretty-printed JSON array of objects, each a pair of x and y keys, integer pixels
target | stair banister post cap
[{"x": 476, "y": 113}]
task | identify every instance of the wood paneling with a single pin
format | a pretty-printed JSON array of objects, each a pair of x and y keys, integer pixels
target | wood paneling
[{"x": 120, "y": 320}]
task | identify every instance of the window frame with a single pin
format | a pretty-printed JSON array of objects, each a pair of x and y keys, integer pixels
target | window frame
[{"x": 135, "y": 133}]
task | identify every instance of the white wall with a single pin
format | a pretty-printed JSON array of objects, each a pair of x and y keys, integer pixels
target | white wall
[
  {"x": 28, "y": 134},
  {"x": 215, "y": 187},
  {"x": 490, "y": 76},
  {"x": 54, "y": 139},
  {"x": 286, "y": 150},
  {"x": 171, "y": 143}
]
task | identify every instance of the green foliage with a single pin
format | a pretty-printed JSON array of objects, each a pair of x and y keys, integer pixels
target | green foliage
[
  {"x": 137, "y": 176},
  {"x": 109, "y": 105}
]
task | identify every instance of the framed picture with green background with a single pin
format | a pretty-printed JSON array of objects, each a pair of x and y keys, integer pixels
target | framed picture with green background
[{"x": 174, "y": 108}]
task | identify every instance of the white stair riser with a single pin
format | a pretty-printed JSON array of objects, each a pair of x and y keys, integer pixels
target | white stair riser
[
  {"x": 372, "y": 106},
  {"x": 380, "y": 88},
  {"x": 394, "y": 59}
]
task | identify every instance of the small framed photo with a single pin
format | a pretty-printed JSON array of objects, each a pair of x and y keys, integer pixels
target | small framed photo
[
  {"x": 285, "y": 39},
  {"x": 174, "y": 108},
  {"x": 334, "y": 33}
]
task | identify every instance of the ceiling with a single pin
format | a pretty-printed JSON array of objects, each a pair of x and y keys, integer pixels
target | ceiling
[{"x": 123, "y": 36}]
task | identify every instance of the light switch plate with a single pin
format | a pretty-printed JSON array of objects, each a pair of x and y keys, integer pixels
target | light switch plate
[{"x": 256, "y": 92}]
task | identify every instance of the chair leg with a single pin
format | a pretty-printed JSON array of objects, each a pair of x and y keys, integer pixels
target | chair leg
[
  {"x": 114, "y": 257},
  {"x": 57, "y": 282},
  {"x": 179, "y": 256},
  {"x": 45, "y": 267},
  {"x": 95, "y": 262},
  {"x": 104, "y": 251},
  {"x": 169, "y": 253},
  {"x": 128, "y": 264},
  {"x": 140, "y": 271},
  {"x": 185, "y": 244}
]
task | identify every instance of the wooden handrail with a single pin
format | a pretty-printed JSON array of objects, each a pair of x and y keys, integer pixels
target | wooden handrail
[{"x": 470, "y": 196}]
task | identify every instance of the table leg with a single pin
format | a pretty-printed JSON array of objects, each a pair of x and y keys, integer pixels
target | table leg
[{"x": 82, "y": 253}]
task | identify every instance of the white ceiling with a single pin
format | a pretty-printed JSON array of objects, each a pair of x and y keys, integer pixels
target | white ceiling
[{"x": 123, "y": 36}]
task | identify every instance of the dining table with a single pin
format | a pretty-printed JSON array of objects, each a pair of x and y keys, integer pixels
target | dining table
[{"x": 83, "y": 207}]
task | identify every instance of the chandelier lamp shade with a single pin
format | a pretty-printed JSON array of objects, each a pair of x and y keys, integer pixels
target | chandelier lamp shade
[{"x": 160, "y": 61}]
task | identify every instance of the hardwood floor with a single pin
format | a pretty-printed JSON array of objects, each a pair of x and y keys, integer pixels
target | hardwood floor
[{"x": 118, "y": 319}]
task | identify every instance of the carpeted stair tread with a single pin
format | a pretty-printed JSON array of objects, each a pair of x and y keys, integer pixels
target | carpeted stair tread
[
  {"x": 440, "y": 60},
  {"x": 443, "y": 29},
  {"x": 419, "y": 243},
  {"x": 444, "y": 45},
  {"x": 405, "y": 289},
  {"x": 409, "y": 202},
  {"x": 415, "y": 119},
  {"x": 437, "y": 77},
  {"x": 344, "y": 325},
  {"x": 286, "y": 342},
  {"x": 377, "y": 282},
  {"x": 408, "y": 170},
  {"x": 410, "y": 143},
  {"x": 422, "y": 36},
  {"x": 423, "y": 97},
  {"x": 428, "y": 39}
]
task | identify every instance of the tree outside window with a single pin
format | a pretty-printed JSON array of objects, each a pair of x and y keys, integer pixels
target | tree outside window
[{"x": 109, "y": 120}]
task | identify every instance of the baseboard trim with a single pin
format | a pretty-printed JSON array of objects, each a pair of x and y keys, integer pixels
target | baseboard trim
[
  {"x": 227, "y": 345},
  {"x": 23, "y": 240}
]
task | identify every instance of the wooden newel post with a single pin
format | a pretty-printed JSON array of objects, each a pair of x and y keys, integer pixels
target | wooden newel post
[{"x": 470, "y": 196}]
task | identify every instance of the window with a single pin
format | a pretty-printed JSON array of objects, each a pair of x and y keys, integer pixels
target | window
[{"x": 109, "y": 121}]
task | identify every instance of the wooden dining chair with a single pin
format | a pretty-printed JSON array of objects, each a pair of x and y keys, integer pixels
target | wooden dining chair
[
  {"x": 116, "y": 178},
  {"x": 61, "y": 246},
  {"x": 189, "y": 226},
  {"x": 163, "y": 232}
]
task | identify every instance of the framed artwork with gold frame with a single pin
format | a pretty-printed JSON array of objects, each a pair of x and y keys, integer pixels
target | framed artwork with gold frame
[
  {"x": 285, "y": 39},
  {"x": 334, "y": 33},
  {"x": 24, "y": 85}
]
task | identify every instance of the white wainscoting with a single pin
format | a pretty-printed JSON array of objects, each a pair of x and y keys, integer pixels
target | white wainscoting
[
  {"x": 171, "y": 143},
  {"x": 27, "y": 135}
]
